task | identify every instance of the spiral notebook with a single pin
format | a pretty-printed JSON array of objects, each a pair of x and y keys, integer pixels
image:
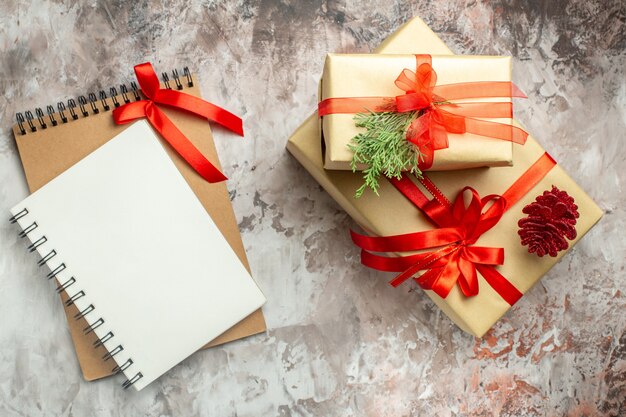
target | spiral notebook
[
  {"x": 144, "y": 263},
  {"x": 51, "y": 141}
]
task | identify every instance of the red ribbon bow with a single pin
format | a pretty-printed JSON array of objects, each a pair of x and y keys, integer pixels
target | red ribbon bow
[
  {"x": 456, "y": 259},
  {"x": 151, "y": 88},
  {"x": 440, "y": 116}
]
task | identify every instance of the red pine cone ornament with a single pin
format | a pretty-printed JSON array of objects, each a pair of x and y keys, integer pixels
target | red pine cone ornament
[{"x": 551, "y": 218}]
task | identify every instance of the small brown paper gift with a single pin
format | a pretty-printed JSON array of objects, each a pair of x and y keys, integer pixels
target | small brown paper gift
[{"x": 373, "y": 75}]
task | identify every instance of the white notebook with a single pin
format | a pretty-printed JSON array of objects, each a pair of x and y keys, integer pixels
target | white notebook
[{"x": 150, "y": 271}]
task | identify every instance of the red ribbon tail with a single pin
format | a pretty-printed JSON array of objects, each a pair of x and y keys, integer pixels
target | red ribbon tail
[
  {"x": 500, "y": 284},
  {"x": 403, "y": 276},
  {"x": 428, "y": 278},
  {"x": 444, "y": 281},
  {"x": 200, "y": 107},
  {"x": 353, "y": 105},
  {"x": 468, "y": 280},
  {"x": 182, "y": 145}
]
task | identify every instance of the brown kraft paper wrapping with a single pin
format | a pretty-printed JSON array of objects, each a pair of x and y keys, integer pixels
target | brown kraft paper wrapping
[
  {"x": 392, "y": 213},
  {"x": 47, "y": 153},
  {"x": 371, "y": 75}
]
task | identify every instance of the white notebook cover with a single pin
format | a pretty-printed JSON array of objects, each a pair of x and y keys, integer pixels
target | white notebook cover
[{"x": 144, "y": 251}]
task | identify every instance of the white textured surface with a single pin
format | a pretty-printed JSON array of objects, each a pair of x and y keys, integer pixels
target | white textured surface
[{"x": 341, "y": 341}]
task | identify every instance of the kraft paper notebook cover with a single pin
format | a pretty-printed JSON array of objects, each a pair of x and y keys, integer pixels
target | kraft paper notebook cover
[{"x": 45, "y": 153}]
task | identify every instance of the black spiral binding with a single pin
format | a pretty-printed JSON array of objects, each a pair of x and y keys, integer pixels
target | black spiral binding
[
  {"x": 84, "y": 106},
  {"x": 27, "y": 230}
]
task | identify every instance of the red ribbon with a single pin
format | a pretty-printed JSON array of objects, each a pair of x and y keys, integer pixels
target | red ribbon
[
  {"x": 452, "y": 257},
  {"x": 151, "y": 88},
  {"x": 429, "y": 132}
]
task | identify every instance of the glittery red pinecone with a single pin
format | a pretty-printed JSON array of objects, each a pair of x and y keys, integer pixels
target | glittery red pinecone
[{"x": 551, "y": 219}]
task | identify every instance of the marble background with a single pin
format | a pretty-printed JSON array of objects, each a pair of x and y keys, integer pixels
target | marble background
[{"x": 340, "y": 342}]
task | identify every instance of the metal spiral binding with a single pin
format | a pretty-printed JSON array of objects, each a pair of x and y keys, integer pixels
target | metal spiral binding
[
  {"x": 133, "y": 86},
  {"x": 92, "y": 103},
  {"x": 19, "y": 215},
  {"x": 166, "y": 80},
  {"x": 54, "y": 272},
  {"x": 103, "y": 100},
  {"x": 50, "y": 110},
  {"x": 20, "y": 123},
  {"x": 61, "y": 110},
  {"x": 46, "y": 258},
  {"x": 71, "y": 105},
  {"x": 33, "y": 246},
  {"x": 29, "y": 119},
  {"x": 82, "y": 103},
  {"x": 124, "y": 91},
  {"x": 188, "y": 76},
  {"x": 114, "y": 94},
  {"x": 39, "y": 114},
  {"x": 65, "y": 285},
  {"x": 130, "y": 382},
  {"x": 122, "y": 367}
]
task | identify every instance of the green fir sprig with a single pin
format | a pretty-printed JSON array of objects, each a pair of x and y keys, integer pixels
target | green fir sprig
[{"x": 383, "y": 147}]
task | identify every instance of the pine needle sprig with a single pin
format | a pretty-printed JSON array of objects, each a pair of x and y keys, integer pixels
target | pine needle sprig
[{"x": 383, "y": 147}]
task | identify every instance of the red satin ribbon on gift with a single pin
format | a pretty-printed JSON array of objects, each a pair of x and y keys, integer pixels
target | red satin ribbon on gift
[
  {"x": 451, "y": 257},
  {"x": 429, "y": 132},
  {"x": 149, "y": 83}
]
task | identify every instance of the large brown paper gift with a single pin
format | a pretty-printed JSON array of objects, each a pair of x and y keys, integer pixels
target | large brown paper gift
[
  {"x": 392, "y": 213},
  {"x": 369, "y": 75},
  {"x": 48, "y": 152}
]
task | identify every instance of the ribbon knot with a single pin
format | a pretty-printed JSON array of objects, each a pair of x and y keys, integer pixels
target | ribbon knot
[
  {"x": 151, "y": 88},
  {"x": 418, "y": 87},
  {"x": 451, "y": 257}
]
